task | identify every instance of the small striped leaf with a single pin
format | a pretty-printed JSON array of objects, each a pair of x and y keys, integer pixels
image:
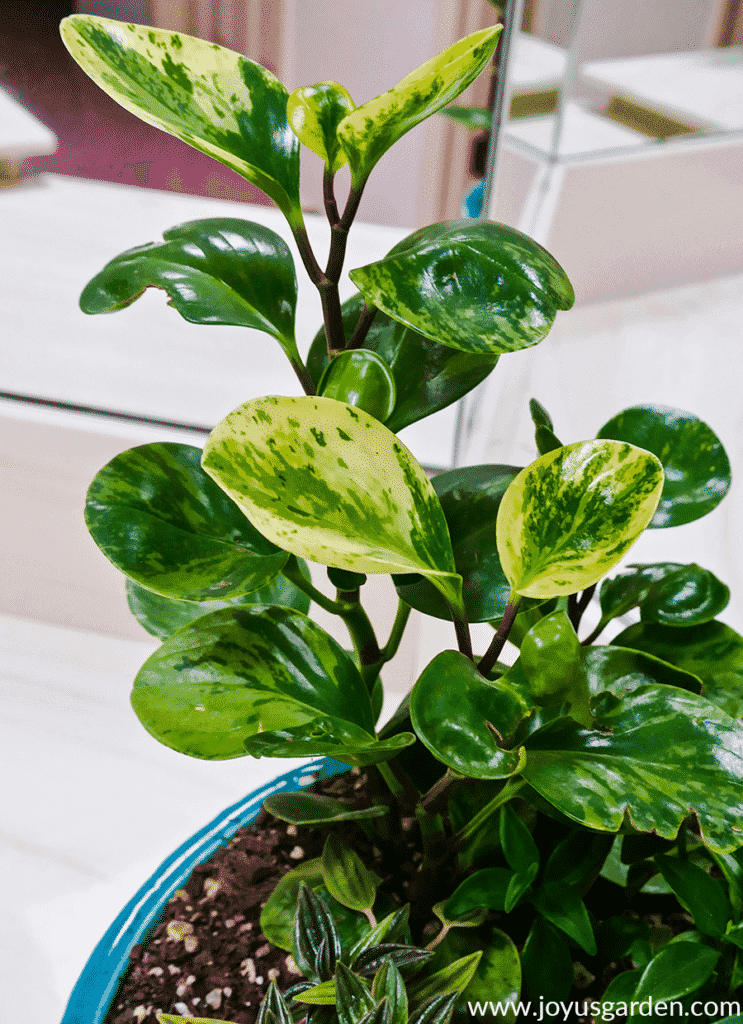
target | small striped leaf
[
  {"x": 316, "y": 809},
  {"x": 480, "y": 287},
  {"x": 571, "y": 515},
  {"x": 295, "y": 466},
  {"x": 454, "y": 978},
  {"x": 217, "y": 271},
  {"x": 389, "y": 984},
  {"x": 216, "y": 100},
  {"x": 163, "y": 616},
  {"x": 497, "y": 975},
  {"x": 314, "y": 113},
  {"x": 697, "y": 469},
  {"x": 657, "y": 754},
  {"x": 368, "y": 132},
  {"x": 428, "y": 376},
  {"x": 321, "y": 739},
  {"x": 346, "y": 877},
  {"x": 232, "y": 673},
  {"x": 165, "y": 524},
  {"x": 465, "y": 721}
]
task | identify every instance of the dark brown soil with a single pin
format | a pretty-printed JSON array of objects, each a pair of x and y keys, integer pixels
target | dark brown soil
[{"x": 208, "y": 957}]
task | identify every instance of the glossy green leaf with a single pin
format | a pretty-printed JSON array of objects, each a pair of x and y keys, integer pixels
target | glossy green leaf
[
  {"x": 436, "y": 1011},
  {"x": 571, "y": 515},
  {"x": 379, "y": 1015},
  {"x": 657, "y": 754},
  {"x": 546, "y": 963},
  {"x": 163, "y": 522},
  {"x": 551, "y": 657},
  {"x": 578, "y": 859},
  {"x": 323, "y": 994},
  {"x": 232, "y": 673},
  {"x": 697, "y": 469},
  {"x": 322, "y": 738},
  {"x": 471, "y": 919},
  {"x": 621, "y": 989},
  {"x": 540, "y": 416},
  {"x": 277, "y": 916},
  {"x": 476, "y": 286},
  {"x": 470, "y": 498},
  {"x": 345, "y": 876},
  {"x": 454, "y": 978},
  {"x": 389, "y": 984},
  {"x": 698, "y": 892},
  {"x": 622, "y": 670},
  {"x": 317, "y": 946},
  {"x": 389, "y": 929},
  {"x": 163, "y": 616},
  {"x": 679, "y": 969},
  {"x": 497, "y": 976},
  {"x": 666, "y": 592},
  {"x": 485, "y": 888},
  {"x": 428, "y": 376},
  {"x": 174, "y": 1018},
  {"x": 731, "y": 866},
  {"x": 519, "y": 848},
  {"x": 217, "y": 101},
  {"x": 406, "y": 958},
  {"x": 476, "y": 119},
  {"x": 615, "y": 936},
  {"x": 273, "y": 1003},
  {"x": 293, "y": 465},
  {"x": 314, "y": 113},
  {"x": 466, "y": 721},
  {"x": 546, "y": 440},
  {"x": 316, "y": 809},
  {"x": 368, "y": 132},
  {"x": 353, "y": 999},
  {"x": 561, "y": 905},
  {"x": 217, "y": 271},
  {"x": 360, "y": 378},
  {"x": 713, "y": 651}
]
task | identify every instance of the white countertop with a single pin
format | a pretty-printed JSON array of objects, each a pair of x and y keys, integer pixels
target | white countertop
[
  {"x": 536, "y": 65},
  {"x": 21, "y": 134},
  {"x": 703, "y": 89},
  {"x": 583, "y": 131}
]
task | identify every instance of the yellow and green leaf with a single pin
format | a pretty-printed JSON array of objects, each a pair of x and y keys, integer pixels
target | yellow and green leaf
[{"x": 314, "y": 113}]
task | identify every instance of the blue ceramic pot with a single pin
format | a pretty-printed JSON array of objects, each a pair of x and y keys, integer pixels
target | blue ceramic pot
[{"x": 99, "y": 982}]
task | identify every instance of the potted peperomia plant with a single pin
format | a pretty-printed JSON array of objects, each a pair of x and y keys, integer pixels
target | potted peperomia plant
[{"x": 563, "y": 828}]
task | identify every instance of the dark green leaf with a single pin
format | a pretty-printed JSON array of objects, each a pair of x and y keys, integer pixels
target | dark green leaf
[
  {"x": 316, "y": 809},
  {"x": 320, "y": 738},
  {"x": 578, "y": 858},
  {"x": 657, "y": 754},
  {"x": 379, "y": 1015},
  {"x": 315, "y": 934},
  {"x": 274, "y": 1003},
  {"x": 345, "y": 875},
  {"x": 698, "y": 892},
  {"x": 615, "y": 936},
  {"x": 217, "y": 271},
  {"x": 388, "y": 984},
  {"x": 486, "y": 888},
  {"x": 277, "y": 917},
  {"x": 452, "y": 979},
  {"x": 679, "y": 969},
  {"x": 163, "y": 616},
  {"x": 389, "y": 928},
  {"x": 540, "y": 416},
  {"x": 293, "y": 465},
  {"x": 621, "y": 670},
  {"x": 713, "y": 651},
  {"x": 477, "y": 119},
  {"x": 436, "y": 1011},
  {"x": 697, "y": 470},
  {"x": 731, "y": 866},
  {"x": 561, "y": 905},
  {"x": 569, "y": 517},
  {"x": 546, "y": 440},
  {"x": 323, "y": 994},
  {"x": 314, "y": 113},
  {"x": 405, "y": 958},
  {"x": 428, "y": 376},
  {"x": 230, "y": 674},
  {"x": 551, "y": 657},
  {"x": 159, "y": 518},
  {"x": 464, "y": 720},
  {"x": 360, "y": 378},
  {"x": 621, "y": 989},
  {"x": 666, "y": 592},
  {"x": 215, "y": 100},
  {"x": 368, "y": 132},
  {"x": 546, "y": 963},
  {"x": 353, "y": 1000},
  {"x": 472, "y": 919},
  {"x": 475, "y": 286},
  {"x": 498, "y": 974},
  {"x": 516, "y": 840},
  {"x": 470, "y": 498}
]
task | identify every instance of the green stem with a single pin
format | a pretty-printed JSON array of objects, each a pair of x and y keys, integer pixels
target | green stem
[
  {"x": 308, "y": 384},
  {"x": 596, "y": 632},
  {"x": 362, "y": 326},
  {"x": 292, "y": 573},
  {"x": 361, "y": 630},
  {"x": 462, "y": 630},
  {"x": 330, "y": 299},
  {"x": 435, "y": 799},
  {"x": 509, "y": 791},
  {"x": 400, "y": 785},
  {"x": 490, "y": 657},
  {"x": 311, "y": 265},
  {"x": 438, "y": 938},
  {"x": 396, "y": 633}
]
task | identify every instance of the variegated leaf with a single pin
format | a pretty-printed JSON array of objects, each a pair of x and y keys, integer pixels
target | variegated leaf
[
  {"x": 371, "y": 129},
  {"x": 657, "y": 754},
  {"x": 217, "y": 271},
  {"x": 329, "y": 482},
  {"x": 571, "y": 515},
  {"x": 475, "y": 286},
  {"x": 235, "y": 672},
  {"x": 216, "y": 100},
  {"x": 164, "y": 523},
  {"x": 314, "y": 112}
]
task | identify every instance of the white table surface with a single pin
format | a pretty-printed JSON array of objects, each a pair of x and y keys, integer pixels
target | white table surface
[
  {"x": 703, "y": 89},
  {"x": 536, "y": 65},
  {"x": 146, "y": 360},
  {"x": 583, "y": 131},
  {"x": 21, "y": 134}
]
